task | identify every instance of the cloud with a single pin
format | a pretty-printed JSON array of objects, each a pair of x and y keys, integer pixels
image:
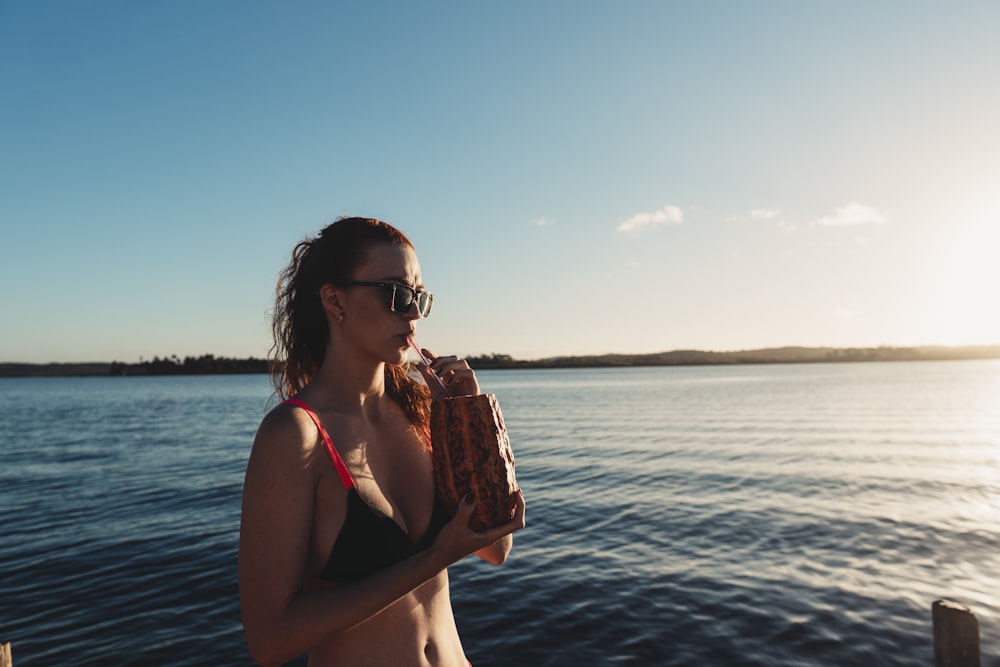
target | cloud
[
  {"x": 785, "y": 227},
  {"x": 756, "y": 214},
  {"x": 773, "y": 216},
  {"x": 542, "y": 222},
  {"x": 668, "y": 215},
  {"x": 852, "y": 215},
  {"x": 764, "y": 213}
]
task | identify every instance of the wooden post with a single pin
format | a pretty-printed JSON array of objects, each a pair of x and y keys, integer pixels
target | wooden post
[
  {"x": 5, "y": 657},
  {"x": 956, "y": 635}
]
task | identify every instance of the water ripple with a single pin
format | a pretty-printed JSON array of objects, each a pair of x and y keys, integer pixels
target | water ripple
[{"x": 771, "y": 515}]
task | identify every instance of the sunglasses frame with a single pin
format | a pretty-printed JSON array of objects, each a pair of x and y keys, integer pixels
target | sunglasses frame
[{"x": 415, "y": 295}]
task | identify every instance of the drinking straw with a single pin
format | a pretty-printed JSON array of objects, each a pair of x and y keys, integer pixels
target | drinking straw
[{"x": 426, "y": 362}]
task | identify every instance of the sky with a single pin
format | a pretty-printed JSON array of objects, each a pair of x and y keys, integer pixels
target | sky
[{"x": 577, "y": 177}]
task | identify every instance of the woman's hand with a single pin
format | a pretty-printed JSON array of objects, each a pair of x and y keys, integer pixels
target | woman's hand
[
  {"x": 458, "y": 377},
  {"x": 457, "y": 540}
]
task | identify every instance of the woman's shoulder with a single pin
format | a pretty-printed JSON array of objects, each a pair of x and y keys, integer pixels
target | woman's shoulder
[{"x": 287, "y": 429}]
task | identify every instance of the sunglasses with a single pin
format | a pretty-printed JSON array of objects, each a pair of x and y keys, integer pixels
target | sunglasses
[{"x": 403, "y": 296}]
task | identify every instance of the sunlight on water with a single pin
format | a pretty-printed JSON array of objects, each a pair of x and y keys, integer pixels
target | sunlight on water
[{"x": 855, "y": 489}]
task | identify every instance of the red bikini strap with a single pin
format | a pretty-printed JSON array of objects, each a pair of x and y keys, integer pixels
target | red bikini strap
[{"x": 338, "y": 463}]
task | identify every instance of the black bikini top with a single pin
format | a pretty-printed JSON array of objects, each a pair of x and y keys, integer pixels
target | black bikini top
[{"x": 369, "y": 540}]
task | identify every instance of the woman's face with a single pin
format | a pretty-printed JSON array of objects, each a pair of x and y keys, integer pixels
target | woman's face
[{"x": 369, "y": 322}]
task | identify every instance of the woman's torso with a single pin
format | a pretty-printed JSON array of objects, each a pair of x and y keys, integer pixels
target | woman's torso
[
  {"x": 416, "y": 631},
  {"x": 391, "y": 470}
]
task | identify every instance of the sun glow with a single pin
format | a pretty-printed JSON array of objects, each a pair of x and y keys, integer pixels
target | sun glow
[{"x": 975, "y": 279}]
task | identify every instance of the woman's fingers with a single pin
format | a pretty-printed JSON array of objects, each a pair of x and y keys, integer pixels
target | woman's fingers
[
  {"x": 465, "y": 507},
  {"x": 434, "y": 382},
  {"x": 463, "y": 540},
  {"x": 457, "y": 375},
  {"x": 519, "y": 510},
  {"x": 517, "y": 522}
]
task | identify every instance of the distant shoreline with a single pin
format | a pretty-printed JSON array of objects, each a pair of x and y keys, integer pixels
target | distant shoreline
[{"x": 211, "y": 365}]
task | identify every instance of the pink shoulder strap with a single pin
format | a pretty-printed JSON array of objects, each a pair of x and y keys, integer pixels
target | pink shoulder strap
[{"x": 338, "y": 463}]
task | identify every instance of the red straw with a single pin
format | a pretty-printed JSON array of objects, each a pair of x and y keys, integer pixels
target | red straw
[{"x": 426, "y": 362}]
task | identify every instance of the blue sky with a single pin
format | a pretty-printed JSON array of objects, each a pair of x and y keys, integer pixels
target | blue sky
[{"x": 578, "y": 177}]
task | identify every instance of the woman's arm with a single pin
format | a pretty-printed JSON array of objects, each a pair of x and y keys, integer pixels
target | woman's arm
[
  {"x": 497, "y": 552},
  {"x": 280, "y": 621}
]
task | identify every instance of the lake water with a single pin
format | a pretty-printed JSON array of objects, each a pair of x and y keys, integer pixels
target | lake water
[{"x": 746, "y": 515}]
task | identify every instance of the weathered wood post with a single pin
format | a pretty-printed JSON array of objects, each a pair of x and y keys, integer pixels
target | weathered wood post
[
  {"x": 956, "y": 635},
  {"x": 5, "y": 657}
]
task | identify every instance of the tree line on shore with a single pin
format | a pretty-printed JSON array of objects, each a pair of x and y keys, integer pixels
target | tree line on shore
[
  {"x": 773, "y": 355},
  {"x": 209, "y": 364},
  {"x": 206, "y": 364}
]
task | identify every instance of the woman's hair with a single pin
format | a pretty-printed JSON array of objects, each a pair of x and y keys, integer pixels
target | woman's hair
[{"x": 299, "y": 323}]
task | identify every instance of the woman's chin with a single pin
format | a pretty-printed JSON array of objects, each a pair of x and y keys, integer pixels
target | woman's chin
[{"x": 400, "y": 357}]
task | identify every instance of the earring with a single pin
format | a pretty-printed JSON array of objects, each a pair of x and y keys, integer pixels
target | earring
[{"x": 340, "y": 318}]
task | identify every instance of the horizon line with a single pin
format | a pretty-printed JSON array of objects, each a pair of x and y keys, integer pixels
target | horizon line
[{"x": 967, "y": 346}]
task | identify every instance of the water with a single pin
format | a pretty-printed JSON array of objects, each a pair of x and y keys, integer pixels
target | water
[{"x": 750, "y": 515}]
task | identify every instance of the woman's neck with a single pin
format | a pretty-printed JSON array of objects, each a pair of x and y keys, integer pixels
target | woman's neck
[{"x": 348, "y": 384}]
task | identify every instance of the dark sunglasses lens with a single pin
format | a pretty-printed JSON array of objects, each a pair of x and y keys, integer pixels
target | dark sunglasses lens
[{"x": 403, "y": 298}]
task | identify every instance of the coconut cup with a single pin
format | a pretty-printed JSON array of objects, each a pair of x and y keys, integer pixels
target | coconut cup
[{"x": 472, "y": 456}]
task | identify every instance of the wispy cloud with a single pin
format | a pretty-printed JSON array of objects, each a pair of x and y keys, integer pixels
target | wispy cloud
[
  {"x": 542, "y": 222},
  {"x": 668, "y": 215},
  {"x": 851, "y": 215},
  {"x": 785, "y": 227},
  {"x": 773, "y": 216},
  {"x": 764, "y": 213}
]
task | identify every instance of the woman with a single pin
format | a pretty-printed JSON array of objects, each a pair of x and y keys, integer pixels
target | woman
[{"x": 344, "y": 547}]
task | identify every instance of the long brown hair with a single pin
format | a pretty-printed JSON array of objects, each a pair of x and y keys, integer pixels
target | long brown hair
[{"x": 299, "y": 324}]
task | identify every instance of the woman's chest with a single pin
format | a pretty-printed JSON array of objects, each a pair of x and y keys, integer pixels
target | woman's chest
[{"x": 393, "y": 497}]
